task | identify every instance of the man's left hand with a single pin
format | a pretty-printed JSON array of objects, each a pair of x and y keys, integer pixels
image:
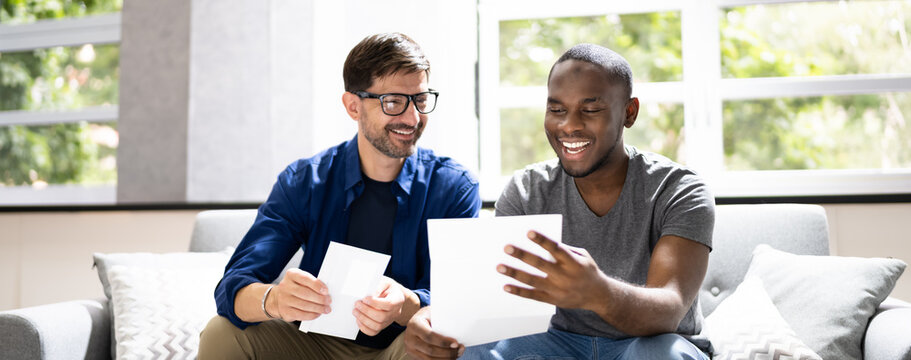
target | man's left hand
[
  {"x": 573, "y": 279},
  {"x": 374, "y": 313}
]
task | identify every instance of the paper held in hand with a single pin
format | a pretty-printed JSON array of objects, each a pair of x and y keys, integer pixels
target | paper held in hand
[
  {"x": 351, "y": 274},
  {"x": 469, "y": 303}
]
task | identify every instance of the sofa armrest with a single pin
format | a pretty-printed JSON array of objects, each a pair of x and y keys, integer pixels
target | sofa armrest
[
  {"x": 67, "y": 330},
  {"x": 887, "y": 334}
]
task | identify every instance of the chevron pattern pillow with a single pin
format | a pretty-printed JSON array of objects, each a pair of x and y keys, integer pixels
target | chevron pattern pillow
[
  {"x": 160, "y": 311},
  {"x": 747, "y": 325}
]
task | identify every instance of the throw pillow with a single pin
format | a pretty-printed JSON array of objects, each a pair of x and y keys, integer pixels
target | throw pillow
[
  {"x": 827, "y": 300},
  {"x": 746, "y": 325},
  {"x": 160, "y": 302}
]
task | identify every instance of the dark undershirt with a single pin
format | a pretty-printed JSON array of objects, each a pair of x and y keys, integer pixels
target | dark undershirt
[
  {"x": 372, "y": 217},
  {"x": 370, "y": 222}
]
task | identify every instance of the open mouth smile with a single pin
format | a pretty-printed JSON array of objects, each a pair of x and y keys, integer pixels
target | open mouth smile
[
  {"x": 573, "y": 148},
  {"x": 403, "y": 132}
]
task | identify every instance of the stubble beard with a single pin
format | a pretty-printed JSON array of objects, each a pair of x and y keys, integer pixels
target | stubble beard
[{"x": 383, "y": 143}]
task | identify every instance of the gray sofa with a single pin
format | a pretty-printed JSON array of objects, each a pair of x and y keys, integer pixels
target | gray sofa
[{"x": 82, "y": 329}]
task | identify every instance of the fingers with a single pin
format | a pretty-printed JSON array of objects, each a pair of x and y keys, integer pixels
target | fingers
[
  {"x": 558, "y": 252},
  {"x": 526, "y": 278},
  {"x": 422, "y": 343},
  {"x": 533, "y": 294},
  {"x": 372, "y": 304},
  {"x": 529, "y": 258},
  {"x": 367, "y": 325},
  {"x": 291, "y": 313},
  {"x": 306, "y": 279}
]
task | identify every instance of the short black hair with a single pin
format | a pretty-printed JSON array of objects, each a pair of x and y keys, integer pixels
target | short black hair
[
  {"x": 380, "y": 55},
  {"x": 615, "y": 66}
]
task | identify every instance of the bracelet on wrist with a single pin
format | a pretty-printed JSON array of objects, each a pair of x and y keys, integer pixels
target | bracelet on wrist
[{"x": 264, "y": 302}]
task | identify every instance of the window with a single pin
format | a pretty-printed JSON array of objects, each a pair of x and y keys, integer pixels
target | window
[
  {"x": 59, "y": 76},
  {"x": 725, "y": 87}
]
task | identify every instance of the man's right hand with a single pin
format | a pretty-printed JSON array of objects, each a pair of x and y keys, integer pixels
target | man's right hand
[
  {"x": 299, "y": 296},
  {"x": 421, "y": 342}
]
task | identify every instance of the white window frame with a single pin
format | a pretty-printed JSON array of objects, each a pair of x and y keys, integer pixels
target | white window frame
[
  {"x": 702, "y": 92},
  {"x": 96, "y": 29}
]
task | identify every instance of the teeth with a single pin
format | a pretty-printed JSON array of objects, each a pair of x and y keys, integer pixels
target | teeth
[
  {"x": 403, "y": 132},
  {"x": 575, "y": 147}
]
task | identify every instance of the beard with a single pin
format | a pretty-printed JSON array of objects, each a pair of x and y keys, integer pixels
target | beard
[{"x": 379, "y": 138}]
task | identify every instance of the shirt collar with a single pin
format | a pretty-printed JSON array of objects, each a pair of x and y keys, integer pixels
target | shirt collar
[{"x": 353, "y": 168}]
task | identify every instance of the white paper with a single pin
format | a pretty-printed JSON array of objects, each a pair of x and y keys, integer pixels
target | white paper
[
  {"x": 469, "y": 303},
  {"x": 351, "y": 274}
]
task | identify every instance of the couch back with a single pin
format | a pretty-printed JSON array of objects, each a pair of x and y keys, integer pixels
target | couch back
[
  {"x": 214, "y": 230},
  {"x": 795, "y": 228}
]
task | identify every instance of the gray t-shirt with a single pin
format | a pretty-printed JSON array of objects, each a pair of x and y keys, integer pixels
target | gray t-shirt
[{"x": 659, "y": 198}]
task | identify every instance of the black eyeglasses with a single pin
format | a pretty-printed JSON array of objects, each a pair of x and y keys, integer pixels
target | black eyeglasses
[{"x": 394, "y": 104}]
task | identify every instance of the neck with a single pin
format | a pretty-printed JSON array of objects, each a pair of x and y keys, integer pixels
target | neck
[
  {"x": 375, "y": 164},
  {"x": 601, "y": 189}
]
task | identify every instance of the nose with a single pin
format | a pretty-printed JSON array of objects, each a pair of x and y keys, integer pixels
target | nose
[
  {"x": 411, "y": 116},
  {"x": 572, "y": 122}
]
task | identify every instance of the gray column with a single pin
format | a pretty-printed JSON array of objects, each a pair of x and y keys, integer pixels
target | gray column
[
  {"x": 154, "y": 68},
  {"x": 215, "y": 100}
]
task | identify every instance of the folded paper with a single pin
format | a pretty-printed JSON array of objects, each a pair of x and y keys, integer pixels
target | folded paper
[{"x": 351, "y": 274}]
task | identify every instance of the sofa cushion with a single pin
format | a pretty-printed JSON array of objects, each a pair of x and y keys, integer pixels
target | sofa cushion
[
  {"x": 827, "y": 300},
  {"x": 160, "y": 302},
  {"x": 795, "y": 228},
  {"x": 747, "y": 325}
]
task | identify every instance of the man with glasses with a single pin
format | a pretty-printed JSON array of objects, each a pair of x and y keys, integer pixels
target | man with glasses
[{"x": 376, "y": 192}]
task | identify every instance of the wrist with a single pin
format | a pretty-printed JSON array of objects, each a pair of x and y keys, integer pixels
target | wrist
[
  {"x": 411, "y": 305},
  {"x": 266, "y": 302},
  {"x": 600, "y": 298}
]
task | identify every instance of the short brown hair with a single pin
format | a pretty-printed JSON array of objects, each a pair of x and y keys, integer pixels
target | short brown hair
[{"x": 381, "y": 55}]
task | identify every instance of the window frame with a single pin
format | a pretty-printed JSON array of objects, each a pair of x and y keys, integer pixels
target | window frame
[
  {"x": 702, "y": 96},
  {"x": 92, "y": 29}
]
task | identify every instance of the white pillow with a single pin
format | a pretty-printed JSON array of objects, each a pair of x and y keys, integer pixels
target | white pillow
[
  {"x": 159, "y": 311},
  {"x": 746, "y": 325}
]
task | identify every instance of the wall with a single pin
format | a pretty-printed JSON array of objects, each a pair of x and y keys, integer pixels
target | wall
[{"x": 47, "y": 257}]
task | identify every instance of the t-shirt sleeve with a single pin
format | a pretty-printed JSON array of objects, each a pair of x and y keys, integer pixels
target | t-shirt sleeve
[
  {"x": 513, "y": 196},
  {"x": 689, "y": 209}
]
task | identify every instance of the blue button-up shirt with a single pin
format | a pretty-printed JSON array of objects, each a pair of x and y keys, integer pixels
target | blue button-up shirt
[{"x": 309, "y": 207}]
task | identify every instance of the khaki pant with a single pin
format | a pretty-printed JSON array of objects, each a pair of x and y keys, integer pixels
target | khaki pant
[{"x": 276, "y": 339}]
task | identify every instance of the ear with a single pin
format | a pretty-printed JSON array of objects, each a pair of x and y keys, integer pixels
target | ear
[
  {"x": 632, "y": 112},
  {"x": 352, "y": 105}
]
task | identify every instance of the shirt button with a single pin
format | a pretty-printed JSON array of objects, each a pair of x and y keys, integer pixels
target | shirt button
[{"x": 715, "y": 291}]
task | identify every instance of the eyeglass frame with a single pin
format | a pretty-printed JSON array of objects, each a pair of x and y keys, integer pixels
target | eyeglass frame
[{"x": 369, "y": 95}]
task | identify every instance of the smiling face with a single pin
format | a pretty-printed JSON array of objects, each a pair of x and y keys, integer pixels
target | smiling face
[
  {"x": 393, "y": 136},
  {"x": 586, "y": 113}
]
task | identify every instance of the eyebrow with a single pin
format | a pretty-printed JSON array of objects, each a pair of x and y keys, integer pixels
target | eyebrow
[{"x": 591, "y": 100}]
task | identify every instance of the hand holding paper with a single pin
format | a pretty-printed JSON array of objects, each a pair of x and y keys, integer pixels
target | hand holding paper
[
  {"x": 374, "y": 313},
  {"x": 299, "y": 296},
  {"x": 350, "y": 274},
  {"x": 568, "y": 280},
  {"x": 469, "y": 303}
]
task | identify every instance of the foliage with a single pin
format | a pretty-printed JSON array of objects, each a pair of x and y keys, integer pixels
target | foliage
[
  {"x": 26, "y": 11},
  {"x": 650, "y": 42},
  {"x": 59, "y": 78},
  {"x": 828, "y": 132}
]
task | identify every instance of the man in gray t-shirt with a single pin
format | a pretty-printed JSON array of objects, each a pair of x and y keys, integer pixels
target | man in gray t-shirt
[{"x": 637, "y": 231}]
